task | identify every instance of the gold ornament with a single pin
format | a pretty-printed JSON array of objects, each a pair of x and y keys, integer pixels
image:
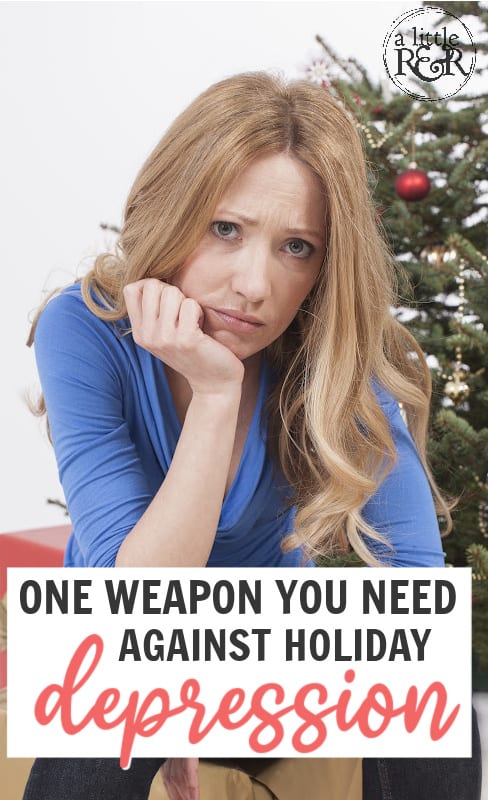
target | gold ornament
[
  {"x": 437, "y": 254},
  {"x": 456, "y": 388}
]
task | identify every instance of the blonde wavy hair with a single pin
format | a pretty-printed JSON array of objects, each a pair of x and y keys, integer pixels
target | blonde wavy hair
[{"x": 325, "y": 424}]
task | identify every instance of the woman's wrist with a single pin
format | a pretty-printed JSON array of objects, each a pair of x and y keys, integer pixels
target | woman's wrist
[{"x": 218, "y": 398}]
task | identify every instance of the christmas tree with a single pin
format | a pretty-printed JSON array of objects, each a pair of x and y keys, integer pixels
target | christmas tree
[{"x": 429, "y": 182}]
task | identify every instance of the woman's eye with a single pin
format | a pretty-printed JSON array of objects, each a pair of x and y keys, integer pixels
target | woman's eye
[
  {"x": 225, "y": 230},
  {"x": 300, "y": 248}
]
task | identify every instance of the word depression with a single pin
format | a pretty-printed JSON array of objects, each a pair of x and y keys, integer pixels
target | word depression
[{"x": 265, "y": 709}]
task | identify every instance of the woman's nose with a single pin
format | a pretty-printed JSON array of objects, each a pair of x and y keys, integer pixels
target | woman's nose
[{"x": 251, "y": 276}]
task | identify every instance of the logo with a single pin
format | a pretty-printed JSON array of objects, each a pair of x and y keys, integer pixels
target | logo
[{"x": 425, "y": 53}]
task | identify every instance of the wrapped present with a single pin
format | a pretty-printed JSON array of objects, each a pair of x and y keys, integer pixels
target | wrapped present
[{"x": 41, "y": 547}]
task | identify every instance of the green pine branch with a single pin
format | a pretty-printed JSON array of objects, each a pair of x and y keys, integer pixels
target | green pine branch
[
  {"x": 468, "y": 251},
  {"x": 477, "y": 557},
  {"x": 470, "y": 338},
  {"x": 465, "y": 435}
]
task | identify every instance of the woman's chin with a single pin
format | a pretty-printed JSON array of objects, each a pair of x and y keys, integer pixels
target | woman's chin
[{"x": 242, "y": 350}]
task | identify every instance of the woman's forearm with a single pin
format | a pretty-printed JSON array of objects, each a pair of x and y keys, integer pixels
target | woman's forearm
[{"x": 178, "y": 528}]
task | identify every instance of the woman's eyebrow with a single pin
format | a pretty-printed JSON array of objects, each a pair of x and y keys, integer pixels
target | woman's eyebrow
[
  {"x": 250, "y": 221},
  {"x": 306, "y": 232}
]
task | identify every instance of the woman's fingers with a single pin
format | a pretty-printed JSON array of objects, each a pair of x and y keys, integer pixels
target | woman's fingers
[
  {"x": 133, "y": 302},
  {"x": 190, "y": 316},
  {"x": 160, "y": 314},
  {"x": 170, "y": 305},
  {"x": 151, "y": 292},
  {"x": 144, "y": 297},
  {"x": 153, "y": 308}
]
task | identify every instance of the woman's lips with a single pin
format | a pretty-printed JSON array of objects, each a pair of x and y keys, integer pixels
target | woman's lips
[{"x": 231, "y": 319}]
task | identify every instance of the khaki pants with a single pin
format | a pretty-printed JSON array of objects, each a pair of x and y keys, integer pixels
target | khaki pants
[{"x": 286, "y": 779}]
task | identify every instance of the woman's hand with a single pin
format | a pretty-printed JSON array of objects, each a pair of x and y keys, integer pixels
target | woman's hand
[
  {"x": 169, "y": 325},
  {"x": 180, "y": 776}
]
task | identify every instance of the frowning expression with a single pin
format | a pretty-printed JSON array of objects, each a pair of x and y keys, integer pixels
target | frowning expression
[{"x": 261, "y": 255}]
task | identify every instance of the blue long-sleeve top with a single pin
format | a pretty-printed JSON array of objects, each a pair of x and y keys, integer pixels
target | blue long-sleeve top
[{"x": 114, "y": 428}]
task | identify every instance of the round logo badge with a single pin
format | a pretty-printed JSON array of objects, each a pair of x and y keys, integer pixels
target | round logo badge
[{"x": 426, "y": 49}]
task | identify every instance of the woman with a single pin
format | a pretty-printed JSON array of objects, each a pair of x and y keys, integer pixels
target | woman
[{"x": 224, "y": 390}]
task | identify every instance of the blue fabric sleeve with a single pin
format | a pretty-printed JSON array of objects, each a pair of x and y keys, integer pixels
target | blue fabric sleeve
[
  {"x": 402, "y": 509},
  {"x": 82, "y": 374}
]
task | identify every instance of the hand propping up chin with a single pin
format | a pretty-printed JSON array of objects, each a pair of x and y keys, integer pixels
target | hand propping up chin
[{"x": 169, "y": 325}]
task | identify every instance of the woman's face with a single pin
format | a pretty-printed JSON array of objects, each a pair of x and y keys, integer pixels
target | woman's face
[{"x": 261, "y": 256}]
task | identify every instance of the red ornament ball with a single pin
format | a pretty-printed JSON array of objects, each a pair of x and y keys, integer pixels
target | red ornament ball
[{"x": 413, "y": 184}]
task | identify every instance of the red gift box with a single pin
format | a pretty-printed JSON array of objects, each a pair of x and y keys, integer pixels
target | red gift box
[{"x": 41, "y": 547}]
